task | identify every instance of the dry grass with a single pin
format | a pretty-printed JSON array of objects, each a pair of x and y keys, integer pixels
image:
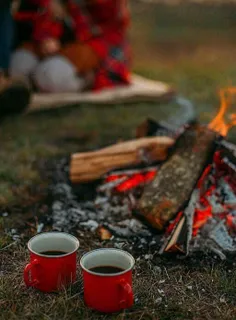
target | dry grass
[{"x": 172, "y": 292}]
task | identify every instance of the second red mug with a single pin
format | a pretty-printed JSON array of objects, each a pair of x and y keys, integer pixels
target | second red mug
[
  {"x": 52, "y": 261},
  {"x": 107, "y": 277}
]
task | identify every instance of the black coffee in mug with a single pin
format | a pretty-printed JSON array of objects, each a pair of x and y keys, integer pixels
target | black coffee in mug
[
  {"x": 53, "y": 253},
  {"x": 106, "y": 269}
]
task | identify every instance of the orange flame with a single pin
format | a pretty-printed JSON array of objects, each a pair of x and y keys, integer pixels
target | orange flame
[{"x": 219, "y": 123}]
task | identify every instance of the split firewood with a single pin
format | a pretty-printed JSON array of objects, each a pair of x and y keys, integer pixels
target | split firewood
[
  {"x": 89, "y": 166},
  {"x": 171, "y": 189},
  {"x": 180, "y": 237}
]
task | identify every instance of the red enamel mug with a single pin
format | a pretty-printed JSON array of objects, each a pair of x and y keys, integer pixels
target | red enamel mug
[
  {"x": 108, "y": 292},
  {"x": 52, "y": 261}
]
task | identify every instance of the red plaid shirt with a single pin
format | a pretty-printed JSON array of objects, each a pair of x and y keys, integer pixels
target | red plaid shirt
[{"x": 102, "y": 24}]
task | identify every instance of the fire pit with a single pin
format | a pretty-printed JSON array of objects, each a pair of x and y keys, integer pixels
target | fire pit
[{"x": 186, "y": 203}]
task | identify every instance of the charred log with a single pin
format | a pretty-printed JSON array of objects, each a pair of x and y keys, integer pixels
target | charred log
[
  {"x": 150, "y": 128},
  {"x": 228, "y": 151},
  {"x": 171, "y": 189}
]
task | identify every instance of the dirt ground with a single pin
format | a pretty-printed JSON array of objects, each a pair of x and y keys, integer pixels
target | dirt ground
[{"x": 193, "y": 48}]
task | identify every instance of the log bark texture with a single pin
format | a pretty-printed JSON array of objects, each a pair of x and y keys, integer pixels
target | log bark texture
[
  {"x": 89, "y": 166},
  {"x": 171, "y": 189}
]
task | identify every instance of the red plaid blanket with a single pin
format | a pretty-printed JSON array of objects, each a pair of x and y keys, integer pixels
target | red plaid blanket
[{"x": 103, "y": 25}]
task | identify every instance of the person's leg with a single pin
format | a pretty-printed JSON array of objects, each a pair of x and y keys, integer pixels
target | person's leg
[
  {"x": 23, "y": 63},
  {"x": 14, "y": 94},
  {"x": 6, "y": 36},
  {"x": 58, "y": 74}
]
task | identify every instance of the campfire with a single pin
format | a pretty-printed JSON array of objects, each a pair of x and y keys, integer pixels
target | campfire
[{"x": 182, "y": 185}]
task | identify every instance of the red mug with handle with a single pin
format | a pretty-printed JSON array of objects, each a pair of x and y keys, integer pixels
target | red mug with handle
[
  {"x": 52, "y": 261},
  {"x": 108, "y": 292}
]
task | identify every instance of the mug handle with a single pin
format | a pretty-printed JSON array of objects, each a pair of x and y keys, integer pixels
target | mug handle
[
  {"x": 127, "y": 294},
  {"x": 28, "y": 268}
]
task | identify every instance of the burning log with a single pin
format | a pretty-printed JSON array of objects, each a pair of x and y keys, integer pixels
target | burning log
[
  {"x": 92, "y": 165},
  {"x": 169, "y": 192}
]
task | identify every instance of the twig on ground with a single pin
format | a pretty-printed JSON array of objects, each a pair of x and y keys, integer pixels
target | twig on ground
[{"x": 8, "y": 246}]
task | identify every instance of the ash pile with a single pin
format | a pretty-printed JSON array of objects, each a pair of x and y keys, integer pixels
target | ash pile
[{"x": 183, "y": 203}]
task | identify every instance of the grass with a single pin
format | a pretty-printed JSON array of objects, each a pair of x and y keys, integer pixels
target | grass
[
  {"x": 191, "y": 47},
  {"x": 174, "y": 292}
]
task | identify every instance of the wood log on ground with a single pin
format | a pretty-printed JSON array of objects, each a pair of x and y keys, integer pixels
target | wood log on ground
[
  {"x": 171, "y": 189},
  {"x": 89, "y": 166}
]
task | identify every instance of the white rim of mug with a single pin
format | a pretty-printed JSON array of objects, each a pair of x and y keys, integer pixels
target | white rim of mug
[
  {"x": 107, "y": 274},
  {"x": 54, "y": 232}
]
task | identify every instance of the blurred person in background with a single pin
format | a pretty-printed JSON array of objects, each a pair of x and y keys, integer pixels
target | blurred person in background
[
  {"x": 75, "y": 45},
  {"x": 14, "y": 93}
]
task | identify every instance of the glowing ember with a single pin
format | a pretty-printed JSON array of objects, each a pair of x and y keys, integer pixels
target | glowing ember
[
  {"x": 219, "y": 123},
  {"x": 231, "y": 222},
  {"x": 213, "y": 209},
  {"x": 214, "y": 213},
  {"x": 131, "y": 180},
  {"x": 219, "y": 200},
  {"x": 200, "y": 218}
]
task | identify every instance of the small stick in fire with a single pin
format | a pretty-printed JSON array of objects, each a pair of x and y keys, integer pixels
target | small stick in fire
[
  {"x": 181, "y": 235},
  {"x": 130, "y": 172}
]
